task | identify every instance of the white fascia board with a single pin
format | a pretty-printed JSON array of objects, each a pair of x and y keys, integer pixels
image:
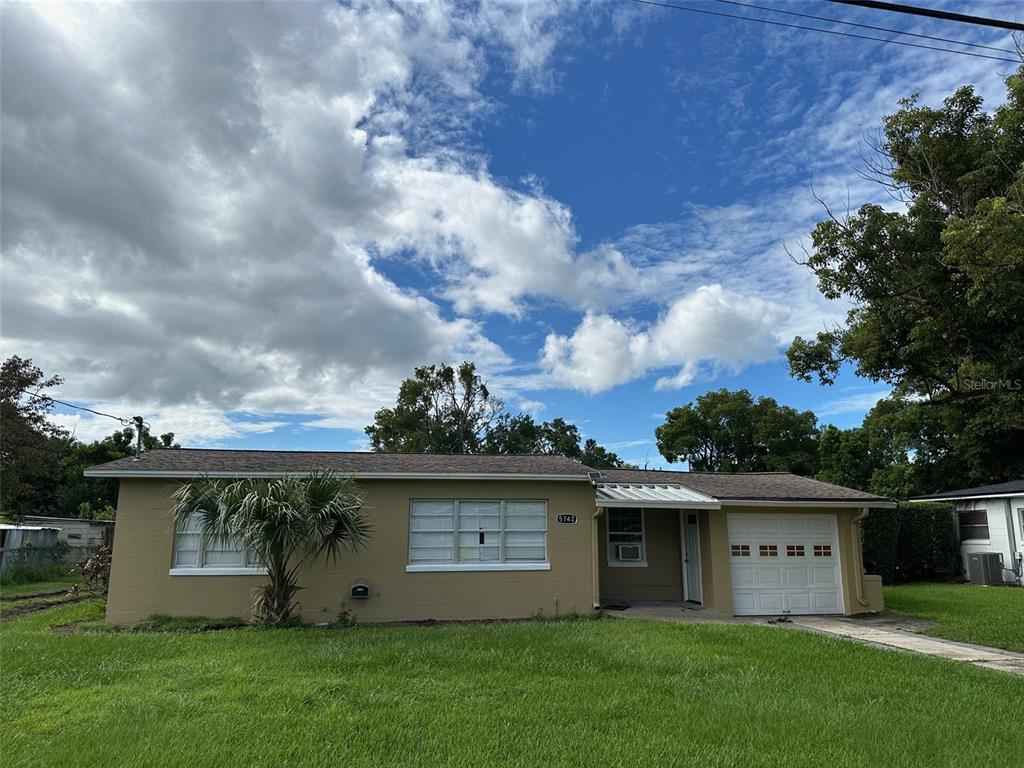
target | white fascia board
[
  {"x": 639, "y": 504},
  {"x": 918, "y": 499},
  {"x": 828, "y": 504},
  {"x": 159, "y": 475}
]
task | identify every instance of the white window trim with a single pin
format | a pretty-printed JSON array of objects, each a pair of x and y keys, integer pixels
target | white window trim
[
  {"x": 445, "y": 567},
  {"x": 615, "y": 562},
  {"x": 217, "y": 571},
  {"x": 200, "y": 569},
  {"x": 502, "y": 565}
]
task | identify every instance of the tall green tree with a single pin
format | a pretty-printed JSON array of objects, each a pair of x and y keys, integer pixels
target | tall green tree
[
  {"x": 936, "y": 287},
  {"x": 30, "y": 445},
  {"x": 519, "y": 433},
  {"x": 288, "y": 522},
  {"x": 440, "y": 409},
  {"x": 728, "y": 431},
  {"x": 81, "y": 496}
]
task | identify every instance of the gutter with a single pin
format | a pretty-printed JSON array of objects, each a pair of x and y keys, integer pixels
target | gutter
[
  {"x": 859, "y": 581},
  {"x": 796, "y": 503}
]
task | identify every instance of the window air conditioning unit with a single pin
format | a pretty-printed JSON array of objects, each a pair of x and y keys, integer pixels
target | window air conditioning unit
[
  {"x": 985, "y": 568},
  {"x": 629, "y": 552}
]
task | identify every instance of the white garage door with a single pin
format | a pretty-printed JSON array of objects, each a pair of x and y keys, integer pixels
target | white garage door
[{"x": 784, "y": 564}]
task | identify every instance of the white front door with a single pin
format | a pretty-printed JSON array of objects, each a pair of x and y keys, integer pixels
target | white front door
[
  {"x": 692, "y": 590},
  {"x": 782, "y": 564}
]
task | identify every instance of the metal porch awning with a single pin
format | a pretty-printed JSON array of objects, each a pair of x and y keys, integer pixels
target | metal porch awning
[{"x": 652, "y": 495}]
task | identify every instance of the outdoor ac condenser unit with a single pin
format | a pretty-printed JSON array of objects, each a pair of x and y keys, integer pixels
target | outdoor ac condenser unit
[
  {"x": 985, "y": 568},
  {"x": 629, "y": 551}
]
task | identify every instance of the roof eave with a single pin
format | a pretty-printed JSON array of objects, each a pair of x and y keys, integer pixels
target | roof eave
[
  {"x": 191, "y": 475},
  {"x": 967, "y": 498},
  {"x": 837, "y": 503}
]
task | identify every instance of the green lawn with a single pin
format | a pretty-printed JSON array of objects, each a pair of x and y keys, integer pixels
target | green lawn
[
  {"x": 605, "y": 692},
  {"x": 20, "y": 594},
  {"x": 966, "y": 612}
]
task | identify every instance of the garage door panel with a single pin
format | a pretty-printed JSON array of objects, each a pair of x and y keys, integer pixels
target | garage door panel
[
  {"x": 743, "y": 577},
  {"x": 794, "y": 580},
  {"x": 823, "y": 528},
  {"x": 823, "y": 602},
  {"x": 824, "y": 577},
  {"x": 798, "y": 602},
  {"x": 769, "y": 602},
  {"x": 794, "y": 527},
  {"x": 796, "y": 577}
]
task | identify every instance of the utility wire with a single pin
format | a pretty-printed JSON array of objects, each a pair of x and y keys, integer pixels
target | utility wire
[
  {"x": 124, "y": 422},
  {"x": 826, "y": 31},
  {"x": 831, "y": 20},
  {"x": 933, "y": 13}
]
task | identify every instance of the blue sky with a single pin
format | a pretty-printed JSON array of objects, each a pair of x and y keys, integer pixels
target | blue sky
[{"x": 251, "y": 237}]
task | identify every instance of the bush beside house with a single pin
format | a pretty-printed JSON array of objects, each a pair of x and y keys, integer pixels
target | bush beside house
[{"x": 914, "y": 542}]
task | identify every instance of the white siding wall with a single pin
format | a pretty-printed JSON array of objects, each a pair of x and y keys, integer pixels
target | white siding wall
[{"x": 999, "y": 534}]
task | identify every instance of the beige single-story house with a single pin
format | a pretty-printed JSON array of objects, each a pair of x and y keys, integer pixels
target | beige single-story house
[{"x": 482, "y": 536}]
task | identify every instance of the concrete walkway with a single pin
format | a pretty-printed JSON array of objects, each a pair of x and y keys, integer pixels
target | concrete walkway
[{"x": 863, "y": 631}]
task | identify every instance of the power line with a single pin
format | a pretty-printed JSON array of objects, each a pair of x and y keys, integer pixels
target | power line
[
  {"x": 831, "y": 20},
  {"x": 825, "y": 31},
  {"x": 932, "y": 13},
  {"x": 124, "y": 422}
]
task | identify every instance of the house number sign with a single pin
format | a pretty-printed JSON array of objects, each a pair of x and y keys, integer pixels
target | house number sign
[{"x": 566, "y": 519}]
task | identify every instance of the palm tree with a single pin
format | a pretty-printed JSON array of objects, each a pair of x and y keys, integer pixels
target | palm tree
[{"x": 286, "y": 521}]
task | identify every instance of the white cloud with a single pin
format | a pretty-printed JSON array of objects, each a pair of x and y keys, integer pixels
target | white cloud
[
  {"x": 860, "y": 402},
  {"x": 711, "y": 327},
  {"x": 220, "y": 199},
  {"x": 202, "y": 425}
]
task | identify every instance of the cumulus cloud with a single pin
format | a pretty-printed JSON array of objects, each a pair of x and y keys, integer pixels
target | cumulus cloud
[
  {"x": 712, "y": 326},
  {"x": 194, "y": 198}
]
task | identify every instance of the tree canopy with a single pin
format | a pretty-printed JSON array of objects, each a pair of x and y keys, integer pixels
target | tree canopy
[
  {"x": 728, "y": 431},
  {"x": 42, "y": 464},
  {"x": 936, "y": 287},
  {"x": 442, "y": 409}
]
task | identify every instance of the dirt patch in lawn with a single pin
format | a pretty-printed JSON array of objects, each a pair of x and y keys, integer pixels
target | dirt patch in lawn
[{"x": 22, "y": 608}]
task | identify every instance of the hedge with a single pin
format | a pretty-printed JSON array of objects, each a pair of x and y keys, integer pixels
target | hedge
[{"x": 914, "y": 542}]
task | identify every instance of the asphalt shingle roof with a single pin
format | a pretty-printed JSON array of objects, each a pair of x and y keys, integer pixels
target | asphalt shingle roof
[
  {"x": 194, "y": 461},
  {"x": 753, "y": 486},
  {"x": 997, "y": 489}
]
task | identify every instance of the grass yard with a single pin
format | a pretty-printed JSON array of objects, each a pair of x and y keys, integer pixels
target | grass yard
[
  {"x": 587, "y": 692},
  {"x": 969, "y": 613},
  {"x": 14, "y": 596}
]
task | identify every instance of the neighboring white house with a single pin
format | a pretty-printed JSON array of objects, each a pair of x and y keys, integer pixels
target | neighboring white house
[{"x": 991, "y": 519}]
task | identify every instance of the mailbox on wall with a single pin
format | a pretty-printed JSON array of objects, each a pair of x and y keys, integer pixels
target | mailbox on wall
[{"x": 360, "y": 590}]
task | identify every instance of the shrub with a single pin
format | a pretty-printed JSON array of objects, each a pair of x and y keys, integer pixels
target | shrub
[
  {"x": 928, "y": 545},
  {"x": 880, "y": 533},
  {"x": 914, "y": 542},
  {"x": 93, "y": 575}
]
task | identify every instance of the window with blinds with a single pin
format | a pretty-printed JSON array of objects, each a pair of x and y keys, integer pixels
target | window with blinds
[
  {"x": 194, "y": 549},
  {"x": 477, "y": 531}
]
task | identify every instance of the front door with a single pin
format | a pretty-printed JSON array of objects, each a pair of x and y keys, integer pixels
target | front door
[{"x": 691, "y": 558}]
